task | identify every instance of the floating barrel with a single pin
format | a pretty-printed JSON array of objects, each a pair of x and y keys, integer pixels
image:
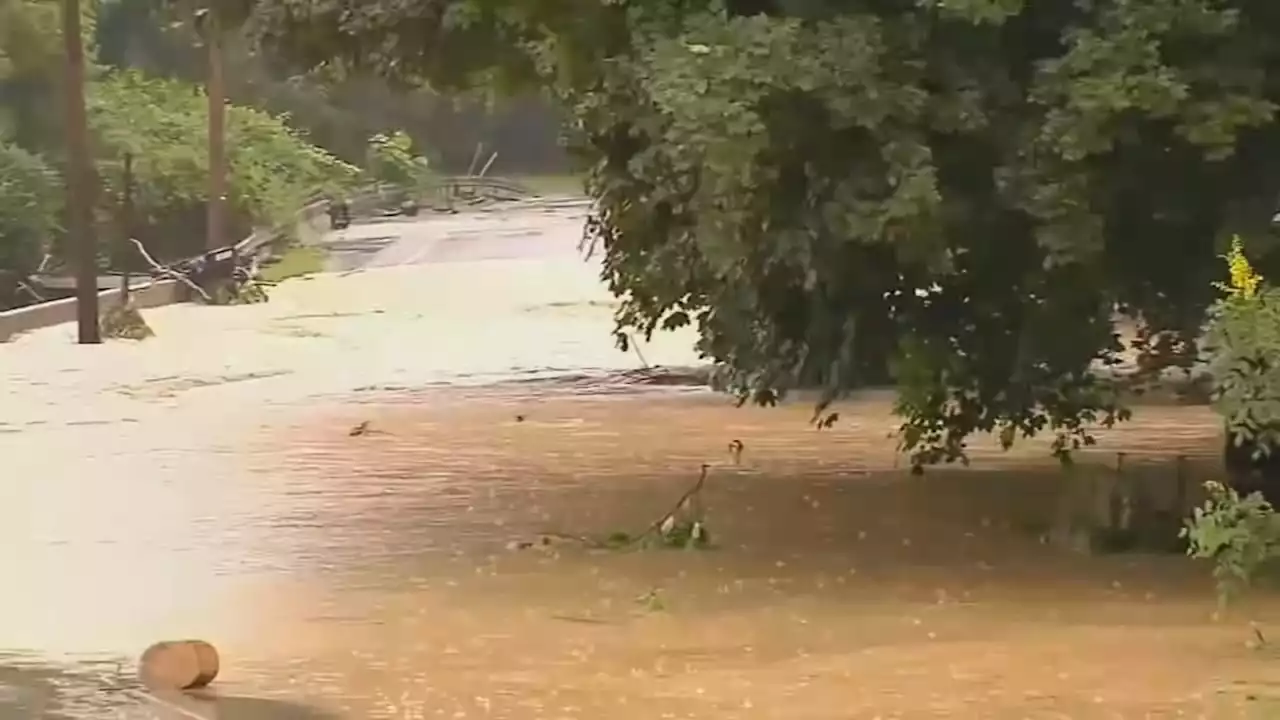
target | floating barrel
[{"x": 178, "y": 665}]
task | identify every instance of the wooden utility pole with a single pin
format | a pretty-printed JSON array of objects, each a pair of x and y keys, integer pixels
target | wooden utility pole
[
  {"x": 126, "y": 227},
  {"x": 217, "y": 93},
  {"x": 80, "y": 179}
]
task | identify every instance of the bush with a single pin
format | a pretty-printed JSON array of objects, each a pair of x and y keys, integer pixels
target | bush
[
  {"x": 1241, "y": 534},
  {"x": 30, "y": 206},
  {"x": 163, "y": 125},
  {"x": 391, "y": 160},
  {"x": 1244, "y": 344}
]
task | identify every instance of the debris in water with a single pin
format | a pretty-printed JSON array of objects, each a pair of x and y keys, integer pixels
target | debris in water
[
  {"x": 735, "y": 451},
  {"x": 179, "y": 665},
  {"x": 124, "y": 322}
]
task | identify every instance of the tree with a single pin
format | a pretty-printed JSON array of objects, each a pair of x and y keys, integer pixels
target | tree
[
  {"x": 959, "y": 195},
  {"x": 30, "y": 205},
  {"x": 31, "y": 67},
  {"x": 31, "y": 202},
  {"x": 161, "y": 124},
  {"x": 340, "y": 116}
]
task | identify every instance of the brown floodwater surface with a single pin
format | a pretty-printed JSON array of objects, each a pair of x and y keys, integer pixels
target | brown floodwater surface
[
  {"x": 839, "y": 586},
  {"x": 207, "y": 483}
]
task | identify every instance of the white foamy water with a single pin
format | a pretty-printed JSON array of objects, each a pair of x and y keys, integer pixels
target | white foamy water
[{"x": 528, "y": 303}]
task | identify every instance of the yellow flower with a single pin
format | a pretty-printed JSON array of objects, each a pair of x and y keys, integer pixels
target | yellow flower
[{"x": 1244, "y": 279}]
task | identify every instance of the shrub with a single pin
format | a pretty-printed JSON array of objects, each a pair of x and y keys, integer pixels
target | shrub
[
  {"x": 1240, "y": 534},
  {"x": 30, "y": 208}
]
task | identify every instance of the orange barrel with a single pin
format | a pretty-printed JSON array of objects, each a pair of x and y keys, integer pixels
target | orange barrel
[{"x": 179, "y": 665}]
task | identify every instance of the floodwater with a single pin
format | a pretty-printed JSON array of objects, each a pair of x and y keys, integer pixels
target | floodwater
[{"x": 377, "y": 493}]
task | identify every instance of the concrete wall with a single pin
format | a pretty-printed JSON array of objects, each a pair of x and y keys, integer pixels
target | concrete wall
[
  {"x": 312, "y": 222},
  {"x": 20, "y": 320}
]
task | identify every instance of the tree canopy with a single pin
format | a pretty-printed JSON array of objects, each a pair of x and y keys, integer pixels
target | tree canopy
[
  {"x": 959, "y": 195},
  {"x": 955, "y": 194}
]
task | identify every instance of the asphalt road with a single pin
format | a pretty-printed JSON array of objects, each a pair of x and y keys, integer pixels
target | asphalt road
[{"x": 542, "y": 229}]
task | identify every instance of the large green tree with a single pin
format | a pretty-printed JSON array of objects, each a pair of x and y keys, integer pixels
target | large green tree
[{"x": 959, "y": 194}]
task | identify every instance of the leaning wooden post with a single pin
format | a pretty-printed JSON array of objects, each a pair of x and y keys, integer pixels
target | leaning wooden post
[{"x": 126, "y": 226}]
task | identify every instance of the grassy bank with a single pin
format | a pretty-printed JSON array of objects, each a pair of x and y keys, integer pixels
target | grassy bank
[{"x": 296, "y": 261}]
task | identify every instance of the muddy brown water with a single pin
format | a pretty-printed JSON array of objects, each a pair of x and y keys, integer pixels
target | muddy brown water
[
  {"x": 386, "y": 585},
  {"x": 840, "y": 587},
  {"x": 157, "y": 491}
]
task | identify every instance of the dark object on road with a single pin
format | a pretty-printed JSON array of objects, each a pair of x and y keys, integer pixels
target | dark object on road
[
  {"x": 179, "y": 665},
  {"x": 339, "y": 214},
  {"x": 211, "y": 268},
  {"x": 223, "y": 274},
  {"x": 1251, "y": 472},
  {"x": 361, "y": 429}
]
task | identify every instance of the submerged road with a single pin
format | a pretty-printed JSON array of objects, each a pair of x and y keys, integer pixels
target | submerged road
[
  {"x": 135, "y": 506},
  {"x": 447, "y": 298},
  {"x": 501, "y": 232}
]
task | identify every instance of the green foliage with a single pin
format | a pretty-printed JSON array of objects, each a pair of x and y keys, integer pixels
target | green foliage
[
  {"x": 1240, "y": 535},
  {"x": 391, "y": 159},
  {"x": 1244, "y": 343},
  {"x": 296, "y": 261},
  {"x": 31, "y": 51},
  {"x": 954, "y": 196},
  {"x": 30, "y": 207},
  {"x": 163, "y": 125},
  {"x": 234, "y": 293},
  {"x": 30, "y": 36}
]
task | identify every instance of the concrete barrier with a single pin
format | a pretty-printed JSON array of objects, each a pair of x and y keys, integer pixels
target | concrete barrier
[
  {"x": 311, "y": 221},
  {"x": 56, "y": 312}
]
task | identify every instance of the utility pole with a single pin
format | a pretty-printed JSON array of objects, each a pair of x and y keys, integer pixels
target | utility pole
[
  {"x": 80, "y": 179},
  {"x": 126, "y": 228},
  {"x": 210, "y": 27}
]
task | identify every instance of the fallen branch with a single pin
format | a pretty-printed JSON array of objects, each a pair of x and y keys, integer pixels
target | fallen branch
[
  {"x": 694, "y": 534},
  {"x": 22, "y": 285},
  {"x": 667, "y": 520},
  {"x": 168, "y": 272}
]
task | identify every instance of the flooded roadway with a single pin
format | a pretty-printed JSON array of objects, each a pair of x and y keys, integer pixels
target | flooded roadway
[{"x": 206, "y": 483}]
